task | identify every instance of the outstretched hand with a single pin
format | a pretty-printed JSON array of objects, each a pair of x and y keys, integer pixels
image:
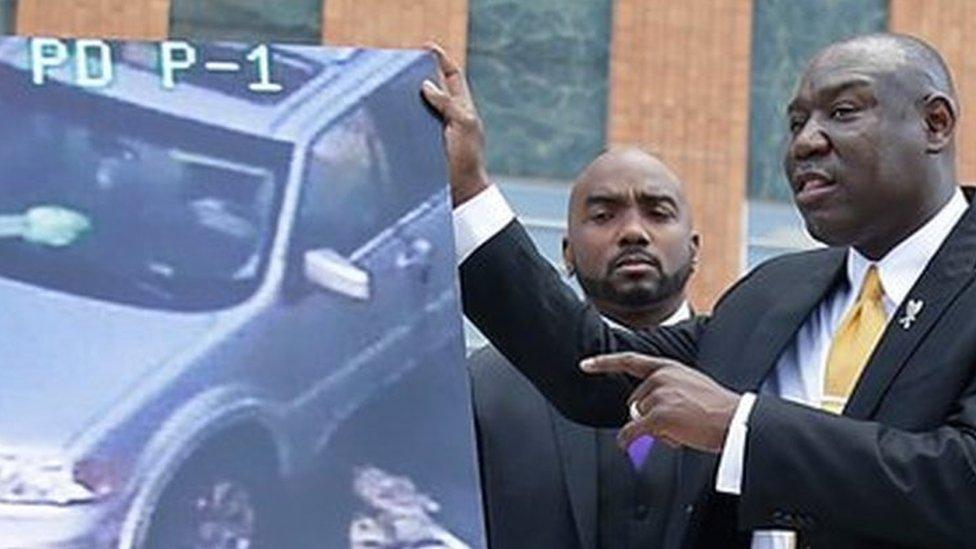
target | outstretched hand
[
  {"x": 674, "y": 402},
  {"x": 464, "y": 135}
]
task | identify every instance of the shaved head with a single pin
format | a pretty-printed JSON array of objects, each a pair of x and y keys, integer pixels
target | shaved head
[
  {"x": 630, "y": 240},
  {"x": 626, "y": 162}
]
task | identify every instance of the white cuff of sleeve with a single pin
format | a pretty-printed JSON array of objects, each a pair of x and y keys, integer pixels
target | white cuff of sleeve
[
  {"x": 729, "y": 477},
  {"x": 479, "y": 219}
]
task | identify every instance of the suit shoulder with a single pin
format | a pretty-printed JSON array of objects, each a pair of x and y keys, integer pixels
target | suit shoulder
[
  {"x": 798, "y": 260},
  {"x": 487, "y": 361},
  {"x": 773, "y": 274},
  {"x": 793, "y": 266},
  {"x": 491, "y": 372},
  {"x": 500, "y": 393},
  {"x": 486, "y": 355}
]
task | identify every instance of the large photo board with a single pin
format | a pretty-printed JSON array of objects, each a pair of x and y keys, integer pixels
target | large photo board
[{"x": 230, "y": 315}]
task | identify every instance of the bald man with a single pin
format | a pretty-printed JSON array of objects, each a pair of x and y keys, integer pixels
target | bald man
[{"x": 549, "y": 482}]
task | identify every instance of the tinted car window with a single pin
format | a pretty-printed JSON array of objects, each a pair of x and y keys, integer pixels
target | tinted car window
[
  {"x": 347, "y": 180},
  {"x": 362, "y": 176},
  {"x": 168, "y": 223}
]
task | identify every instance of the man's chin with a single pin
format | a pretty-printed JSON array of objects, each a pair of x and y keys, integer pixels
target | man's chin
[
  {"x": 624, "y": 292},
  {"x": 828, "y": 228},
  {"x": 828, "y": 235},
  {"x": 635, "y": 294}
]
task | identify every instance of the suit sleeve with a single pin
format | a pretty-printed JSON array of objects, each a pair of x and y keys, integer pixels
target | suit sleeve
[
  {"x": 521, "y": 304},
  {"x": 805, "y": 467}
]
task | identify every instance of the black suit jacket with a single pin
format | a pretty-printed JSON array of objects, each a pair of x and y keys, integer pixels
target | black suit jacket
[
  {"x": 540, "y": 472},
  {"x": 898, "y": 469}
]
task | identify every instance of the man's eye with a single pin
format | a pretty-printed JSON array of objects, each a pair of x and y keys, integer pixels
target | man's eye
[
  {"x": 842, "y": 112},
  {"x": 796, "y": 124},
  {"x": 661, "y": 213},
  {"x": 601, "y": 216}
]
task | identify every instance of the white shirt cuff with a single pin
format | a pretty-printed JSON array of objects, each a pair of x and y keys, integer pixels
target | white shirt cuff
[
  {"x": 729, "y": 477},
  {"x": 479, "y": 219}
]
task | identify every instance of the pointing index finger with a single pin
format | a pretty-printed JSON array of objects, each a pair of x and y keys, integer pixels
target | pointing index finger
[{"x": 635, "y": 364}]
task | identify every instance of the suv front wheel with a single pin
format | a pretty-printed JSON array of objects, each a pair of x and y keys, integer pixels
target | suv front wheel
[{"x": 217, "y": 501}]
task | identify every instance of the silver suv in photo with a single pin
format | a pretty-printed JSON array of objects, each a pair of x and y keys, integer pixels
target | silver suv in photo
[{"x": 200, "y": 287}]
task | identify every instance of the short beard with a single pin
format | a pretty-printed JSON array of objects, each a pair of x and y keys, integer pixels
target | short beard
[{"x": 638, "y": 296}]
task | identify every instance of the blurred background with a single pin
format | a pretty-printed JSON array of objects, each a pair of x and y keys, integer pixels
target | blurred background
[{"x": 702, "y": 83}]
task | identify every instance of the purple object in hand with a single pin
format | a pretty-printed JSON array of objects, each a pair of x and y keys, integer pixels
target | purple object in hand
[{"x": 639, "y": 449}]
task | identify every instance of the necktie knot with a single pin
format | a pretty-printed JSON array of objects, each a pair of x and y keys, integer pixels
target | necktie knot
[{"x": 871, "y": 289}]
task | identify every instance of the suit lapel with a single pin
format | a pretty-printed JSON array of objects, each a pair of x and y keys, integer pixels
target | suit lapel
[
  {"x": 777, "y": 326},
  {"x": 578, "y": 452},
  {"x": 949, "y": 271}
]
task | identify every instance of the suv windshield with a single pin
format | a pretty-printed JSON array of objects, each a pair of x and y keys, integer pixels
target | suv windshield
[{"x": 110, "y": 201}]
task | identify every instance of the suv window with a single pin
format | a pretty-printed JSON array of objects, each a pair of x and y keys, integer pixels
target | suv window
[
  {"x": 346, "y": 197},
  {"x": 362, "y": 176},
  {"x": 170, "y": 221}
]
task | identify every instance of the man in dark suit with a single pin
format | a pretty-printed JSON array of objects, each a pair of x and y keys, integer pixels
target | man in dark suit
[
  {"x": 549, "y": 482},
  {"x": 831, "y": 396}
]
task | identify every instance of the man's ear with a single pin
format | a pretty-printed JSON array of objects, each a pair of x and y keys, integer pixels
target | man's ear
[
  {"x": 695, "y": 247},
  {"x": 568, "y": 259},
  {"x": 940, "y": 113}
]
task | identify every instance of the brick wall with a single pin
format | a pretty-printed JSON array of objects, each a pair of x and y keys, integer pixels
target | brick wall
[
  {"x": 950, "y": 26},
  {"x": 393, "y": 23},
  {"x": 134, "y": 19},
  {"x": 679, "y": 86}
]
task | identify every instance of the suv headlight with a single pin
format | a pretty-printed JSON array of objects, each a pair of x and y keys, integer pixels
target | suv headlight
[{"x": 40, "y": 480}]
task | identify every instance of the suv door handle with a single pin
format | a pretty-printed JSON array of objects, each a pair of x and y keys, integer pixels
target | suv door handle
[{"x": 328, "y": 269}]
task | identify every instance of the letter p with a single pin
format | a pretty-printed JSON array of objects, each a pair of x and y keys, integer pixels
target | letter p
[
  {"x": 170, "y": 62},
  {"x": 46, "y": 53}
]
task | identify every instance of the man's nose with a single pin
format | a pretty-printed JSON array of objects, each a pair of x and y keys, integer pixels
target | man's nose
[
  {"x": 810, "y": 141},
  {"x": 634, "y": 230}
]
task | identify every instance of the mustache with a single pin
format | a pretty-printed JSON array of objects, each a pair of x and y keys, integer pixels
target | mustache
[
  {"x": 630, "y": 254},
  {"x": 808, "y": 168}
]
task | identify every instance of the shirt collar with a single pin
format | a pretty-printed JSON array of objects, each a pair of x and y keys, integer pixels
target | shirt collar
[
  {"x": 683, "y": 313},
  {"x": 901, "y": 267}
]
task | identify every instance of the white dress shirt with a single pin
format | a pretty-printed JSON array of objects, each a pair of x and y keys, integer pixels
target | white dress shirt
[
  {"x": 799, "y": 372},
  {"x": 479, "y": 219},
  {"x": 682, "y": 313}
]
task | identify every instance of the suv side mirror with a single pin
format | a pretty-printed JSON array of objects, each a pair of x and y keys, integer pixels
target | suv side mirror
[{"x": 331, "y": 271}]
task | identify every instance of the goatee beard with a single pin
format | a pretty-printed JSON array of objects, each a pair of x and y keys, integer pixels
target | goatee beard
[{"x": 638, "y": 296}]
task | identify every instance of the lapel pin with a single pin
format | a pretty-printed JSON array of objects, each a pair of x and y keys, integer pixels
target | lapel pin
[{"x": 912, "y": 309}]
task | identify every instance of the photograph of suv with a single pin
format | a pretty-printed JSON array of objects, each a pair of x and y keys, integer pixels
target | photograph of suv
[{"x": 229, "y": 318}]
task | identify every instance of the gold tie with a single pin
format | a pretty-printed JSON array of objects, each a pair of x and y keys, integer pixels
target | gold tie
[{"x": 853, "y": 343}]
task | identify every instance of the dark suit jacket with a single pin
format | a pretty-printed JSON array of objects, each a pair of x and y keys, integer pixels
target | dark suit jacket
[
  {"x": 540, "y": 472},
  {"x": 898, "y": 469}
]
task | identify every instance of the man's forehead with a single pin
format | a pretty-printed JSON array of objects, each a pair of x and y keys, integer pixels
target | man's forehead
[
  {"x": 618, "y": 173},
  {"x": 632, "y": 187},
  {"x": 832, "y": 82},
  {"x": 870, "y": 58},
  {"x": 878, "y": 55},
  {"x": 625, "y": 179}
]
